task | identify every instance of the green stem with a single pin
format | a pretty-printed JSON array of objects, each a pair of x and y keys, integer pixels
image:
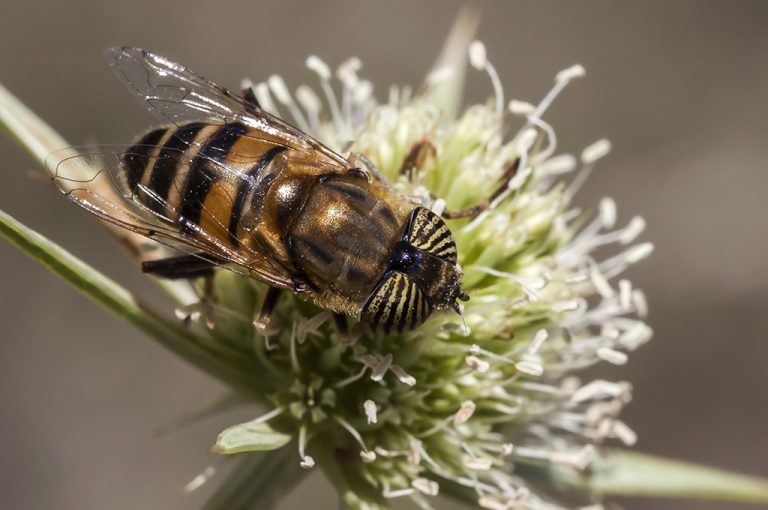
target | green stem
[
  {"x": 125, "y": 305},
  {"x": 624, "y": 473},
  {"x": 257, "y": 482}
]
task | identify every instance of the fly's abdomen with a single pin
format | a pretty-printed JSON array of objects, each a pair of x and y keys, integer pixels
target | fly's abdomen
[{"x": 202, "y": 177}]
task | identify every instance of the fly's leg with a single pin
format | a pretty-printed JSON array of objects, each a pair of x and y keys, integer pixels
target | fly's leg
[
  {"x": 420, "y": 155},
  {"x": 248, "y": 95},
  {"x": 185, "y": 267},
  {"x": 365, "y": 167},
  {"x": 263, "y": 318},
  {"x": 182, "y": 267},
  {"x": 499, "y": 193},
  {"x": 342, "y": 327}
]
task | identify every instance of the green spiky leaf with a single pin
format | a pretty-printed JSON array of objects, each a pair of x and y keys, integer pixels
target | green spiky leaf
[{"x": 250, "y": 437}]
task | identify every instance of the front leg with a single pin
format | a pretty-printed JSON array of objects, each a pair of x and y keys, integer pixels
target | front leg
[
  {"x": 485, "y": 204},
  {"x": 263, "y": 318}
]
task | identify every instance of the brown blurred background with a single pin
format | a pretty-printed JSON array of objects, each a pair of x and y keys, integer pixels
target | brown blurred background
[{"x": 681, "y": 88}]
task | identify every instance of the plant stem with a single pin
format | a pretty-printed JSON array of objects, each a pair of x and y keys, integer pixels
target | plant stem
[{"x": 125, "y": 305}]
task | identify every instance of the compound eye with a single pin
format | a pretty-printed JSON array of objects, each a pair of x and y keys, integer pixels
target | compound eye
[
  {"x": 427, "y": 231},
  {"x": 397, "y": 305}
]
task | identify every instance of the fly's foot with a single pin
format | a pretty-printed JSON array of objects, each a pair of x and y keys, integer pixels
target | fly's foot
[{"x": 194, "y": 312}]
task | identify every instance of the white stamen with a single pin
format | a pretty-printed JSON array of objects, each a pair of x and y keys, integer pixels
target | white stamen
[
  {"x": 478, "y": 364},
  {"x": 565, "y": 306},
  {"x": 551, "y": 137},
  {"x": 352, "y": 431},
  {"x": 479, "y": 60},
  {"x": 246, "y": 84},
  {"x": 306, "y": 326},
  {"x": 381, "y": 368},
  {"x": 279, "y": 89},
  {"x": 636, "y": 336},
  {"x": 306, "y": 462},
  {"x": 575, "y": 71},
  {"x": 308, "y": 99},
  {"x": 558, "y": 165},
  {"x": 316, "y": 64},
  {"x": 507, "y": 449},
  {"x": 530, "y": 367},
  {"x": 349, "y": 68},
  {"x": 491, "y": 503},
  {"x": 625, "y": 294},
  {"x": 477, "y": 463},
  {"x": 465, "y": 412},
  {"x": 414, "y": 452},
  {"x": 598, "y": 389},
  {"x": 527, "y": 138},
  {"x": 597, "y": 150},
  {"x": 632, "y": 230},
  {"x": 638, "y": 253},
  {"x": 612, "y": 356},
  {"x": 370, "y": 411},
  {"x": 312, "y": 104},
  {"x": 390, "y": 494},
  {"x": 641, "y": 304},
  {"x": 522, "y": 494},
  {"x": 324, "y": 73},
  {"x": 561, "y": 80},
  {"x": 538, "y": 340},
  {"x": 261, "y": 91},
  {"x": 200, "y": 479},
  {"x": 403, "y": 376},
  {"x": 362, "y": 91},
  {"x": 438, "y": 206},
  {"x": 516, "y": 107},
  {"x": 477, "y": 55},
  {"x": 428, "y": 487},
  {"x": 601, "y": 284},
  {"x": 570, "y": 384},
  {"x": 625, "y": 434},
  {"x": 368, "y": 456},
  {"x": 607, "y": 212}
]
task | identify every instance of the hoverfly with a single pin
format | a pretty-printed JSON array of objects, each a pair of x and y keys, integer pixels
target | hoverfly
[{"x": 234, "y": 186}]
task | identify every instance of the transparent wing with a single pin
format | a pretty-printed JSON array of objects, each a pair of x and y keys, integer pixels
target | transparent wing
[
  {"x": 176, "y": 94},
  {"x": 95, "y": 180}
]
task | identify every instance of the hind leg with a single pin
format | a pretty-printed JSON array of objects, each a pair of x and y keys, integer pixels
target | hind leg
[{"x": 186, "y": 267}]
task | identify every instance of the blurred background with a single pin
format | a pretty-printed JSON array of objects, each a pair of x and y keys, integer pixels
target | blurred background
[{"x": 680, "y": 88}]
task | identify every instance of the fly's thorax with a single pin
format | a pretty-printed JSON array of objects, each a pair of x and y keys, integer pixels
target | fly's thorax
[{"x": 343, "y": 238}]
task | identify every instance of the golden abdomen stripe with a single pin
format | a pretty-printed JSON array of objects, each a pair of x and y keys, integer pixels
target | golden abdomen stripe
[
  {"x": 246, "y": 185},
  {"x": 167, "y": 165},
  {"x": 204, "y": 172}
]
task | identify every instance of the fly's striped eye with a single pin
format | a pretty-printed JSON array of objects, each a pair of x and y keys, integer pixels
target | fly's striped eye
[
  {"x": 396, "y": 305},
  {"x": 427, "y": 231}
]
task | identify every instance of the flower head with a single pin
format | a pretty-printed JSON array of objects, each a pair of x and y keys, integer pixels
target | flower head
[{"x": 461, "y": 402}]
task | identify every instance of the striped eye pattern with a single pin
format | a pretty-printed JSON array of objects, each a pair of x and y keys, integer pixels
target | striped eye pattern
[
  {"x": 427, "y": 231},
  {"x": 397, "y": 305}
]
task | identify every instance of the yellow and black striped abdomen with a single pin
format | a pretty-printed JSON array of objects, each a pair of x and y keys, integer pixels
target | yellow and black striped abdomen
[{"x": 199, "y": 176}]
